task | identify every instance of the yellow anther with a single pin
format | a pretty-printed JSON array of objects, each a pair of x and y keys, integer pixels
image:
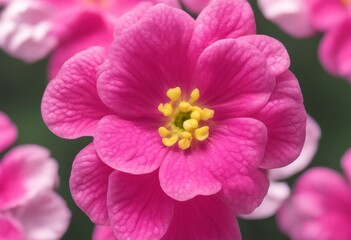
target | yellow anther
[
  {"x": 185, "y": 135},
  {"x": 166, "y": 109},
  {"x": 169, "y": 142},
  {"x": 174, "y": 93},
  {"x": 202, "y": 133},
  {"x": 195, "y": 94},
  {"x": 190, "y": 124},
  {"x": 206, "y": 114},
  {"x": 195, "y": 115},
  {"x": 163, "y": 132},
  {"x": 184, "y": 106},
  {"x": 184, "y": 143}
]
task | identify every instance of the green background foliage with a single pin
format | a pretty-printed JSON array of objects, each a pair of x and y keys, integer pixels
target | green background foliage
[{"x": 327, "y": 99}]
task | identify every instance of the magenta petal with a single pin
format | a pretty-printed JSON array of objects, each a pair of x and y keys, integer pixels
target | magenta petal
[
  {"x": 89, "y": 183},
  {"x": 24, "y": 172},
  {"x": 141, "y": 69},
  {"x": 277, "y": 57},
  {"x": 346, "y": 164},
  {"x": 138, "y": 208},
  {"x": 222, "y": 19},
  {"x": 8, "y": 132},
  {"x": 203, "y": 218},
  {"x": 11, "y": 228},
  {"x": 71, "y": 107},
  {"x": 285, "y": 118},
  {"x": 89, "y": 29},
  {"x": 103, "y": 233},
  {"x": 132, "y": 147},
  {"x": 233, "y": 78},
  {"x": 44, "y": 217},
  {"x": 335, "y": 50}
]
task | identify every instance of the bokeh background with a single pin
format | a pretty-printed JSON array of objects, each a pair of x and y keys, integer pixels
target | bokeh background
[{"x": 327, "y": 99}]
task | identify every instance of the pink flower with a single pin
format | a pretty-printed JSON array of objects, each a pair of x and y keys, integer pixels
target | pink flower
[
  {"x": 186, "y": 115},
  {"x": 8, "y": 132},
  {"x": 103, "y": 233},
  {"x": 335, "y": 50},
  {"x": 31, "y": 29},
  {"x": 29, "y": 208},
  {"x": 319, "y": 207},
  {"x": 279, "y": 191}
]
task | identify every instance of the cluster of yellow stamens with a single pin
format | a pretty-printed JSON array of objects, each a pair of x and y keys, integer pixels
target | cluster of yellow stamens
[{"x": 184, "y": 119}]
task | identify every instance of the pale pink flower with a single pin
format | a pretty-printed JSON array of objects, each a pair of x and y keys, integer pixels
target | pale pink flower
[
  {"x": 31, "y": 29},
  {"x": 186, "y": 115},
  {"x": 319, "y": 207},
  {"x": 29, "y": 208},
  {"x": 278, "y": 192}
]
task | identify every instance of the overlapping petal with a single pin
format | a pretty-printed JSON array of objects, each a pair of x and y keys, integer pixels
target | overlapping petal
[
  {"x": 233, "y": 78},
  {"x": 129, "y": 146},
  {"x": 285, "y": 118},
  {"x": 25, "y": 171},
  {"x": 11, "y": 228},
  {"x": 135, "y": 84},
  {"x": 44, "y": 217},
  {"x": 195, "y": 6},
  {"x": 71, "y": 107},
  {"x": 203, "y": 218},
  {"x": 222, "y": 19},
  {"x": 138, "y": 207},
  {"x": 103, "y": 233},
  {"x": 89, "y": 184},
  {"x": 8, "y": 132}
]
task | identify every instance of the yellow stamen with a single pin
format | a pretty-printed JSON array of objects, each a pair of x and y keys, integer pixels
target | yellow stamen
[
  {"x": 163, "y": 132},
  {"x": 190, "y": 124},
  {"x": 186, "y": 119},
  {"x": 206, "y": 114},
  {"x": 169, "y": 142},
  {"x": 184, "y": 143},
  {"x": 202, "y": 133},
  {"x": 174, "y": 93},
  {"x": 166, "y": 109},
  {"x": 195, "y": 94}
]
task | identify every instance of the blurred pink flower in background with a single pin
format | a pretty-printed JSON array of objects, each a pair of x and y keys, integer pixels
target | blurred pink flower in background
[
  {"x": 186, "y": 118},
  {"x": 8, "y": 132},
  {"x": 195, "y": 6},
  {"x": 302, "y": 18},
  {"x": 31, "y": 29},
  {"x": 279, "y": 191},
  {"x": 29, "y": 208},
  {"x": 320, "y": 204}
]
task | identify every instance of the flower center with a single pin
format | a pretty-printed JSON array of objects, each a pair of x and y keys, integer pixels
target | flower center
[{"x": 186, "y": 120}]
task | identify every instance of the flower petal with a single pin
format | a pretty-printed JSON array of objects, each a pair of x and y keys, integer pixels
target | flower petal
[
  {"x": 285, "y": 118},
  {"x": 11, "y": 228},
  {"x": 277, "y": 57},
  {"x": 222, "y": 19},
  {"x": 24, "y": 172},
  {"x": 138, "y": 207},
  {"x": 89, "y": 183},
  {"x": 313, "y": 134},
  {"x": 103, "y": 233},
  {"x": 203, "y": 218},
  {"x": 141, "y": 70},
  {"x": 335, "y": 50},
  {"x": 292, "y": 16},
  {"x": 44, "y": 217},
  {"x": 227, "y": 161},
  {"x": 233, "y": 78},
  {"x": 195, "y": 6},
  {"x": 346, "y": 164},
  {"x": 88, "y": 29},
  {"x": 132, "y": 147},
  {"x": 8, "y": 132},
  {"x": 277, "y": 193},
  {"x": 71, "y": 107}
]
